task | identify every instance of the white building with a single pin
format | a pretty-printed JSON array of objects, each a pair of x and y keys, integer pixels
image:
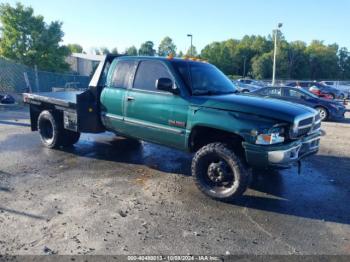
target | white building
[{"x": 83, "y": 64}]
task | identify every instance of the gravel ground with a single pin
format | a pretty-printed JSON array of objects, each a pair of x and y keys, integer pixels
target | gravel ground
[{"x": 109, "y": 195}]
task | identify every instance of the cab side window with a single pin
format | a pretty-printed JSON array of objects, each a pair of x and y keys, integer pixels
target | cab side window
[
  {"x": 147, "y": 74},
  {"x": 122, "y": 74},
  {"x": 263, "y": 92},
  {"x": 294, "y": 93},
  {"x": 275, "y": 91}
]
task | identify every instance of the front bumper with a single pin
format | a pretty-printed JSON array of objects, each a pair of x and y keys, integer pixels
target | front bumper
[{"x": 281, "y": 156}]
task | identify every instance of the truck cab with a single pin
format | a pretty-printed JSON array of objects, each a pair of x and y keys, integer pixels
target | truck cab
[{"x": 188, "y": 105}]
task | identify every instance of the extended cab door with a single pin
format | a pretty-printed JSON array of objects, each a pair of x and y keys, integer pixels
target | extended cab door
[
  {"x": 154, "y": 115},
  {"x": 119, "y": 79}
]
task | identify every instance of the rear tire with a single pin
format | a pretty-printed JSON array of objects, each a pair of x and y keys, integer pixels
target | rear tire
[
  {"x": 52, "y": 132},
  {"x": 219, "y": 173},
  {"x": 70, "y": 137}
]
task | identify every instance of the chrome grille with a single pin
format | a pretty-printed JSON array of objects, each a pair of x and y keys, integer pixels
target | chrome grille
[
  {"x": 306, "y": 121},
  {"x": 307, "y": 125},
  {"x": 303, "y": 131}
]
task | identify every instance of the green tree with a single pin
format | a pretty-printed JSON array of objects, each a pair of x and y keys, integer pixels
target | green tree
[
  {"x": 297, "y": 60},
  {"x": 147, "y": 49},
  {"x": 194, "y": 52},
  {"x": 132, "y": 51},
  {"x": 344, "y": 63},
  {"x": 180, "y": 54},
  {"x": 250, "y": 47},
  {"x": 167, "y": 47},
  {"x": 75, "y": 48},
  {"x": 114, "y": 51},
  {"x": 323, "y": 60},
  {"x": 262, "y": 66},
  {"x": 218, "y": 53},
  {"x": 27, "y": 39},
  {"x": 104, "y": 51}
]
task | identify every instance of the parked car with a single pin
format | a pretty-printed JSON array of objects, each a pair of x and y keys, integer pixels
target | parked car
[
  {"x": 322, "y": 90},
  {"x": 328, "y": 109},
  {"x": 251, "y": 82},
  {"x": 245, "y": 88},
  {"x": 7, "y": 99},
  {"x": 316, "y": 91},
  {"x": 338, "y": 85},
  {"x": 184, "y": 104}
]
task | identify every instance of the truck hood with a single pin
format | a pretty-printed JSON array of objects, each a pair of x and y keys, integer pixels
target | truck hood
[{"x": 265, "y": 107}]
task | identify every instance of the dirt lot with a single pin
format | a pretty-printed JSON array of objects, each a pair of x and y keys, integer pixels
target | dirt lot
[{"x": 112, "y": 196}]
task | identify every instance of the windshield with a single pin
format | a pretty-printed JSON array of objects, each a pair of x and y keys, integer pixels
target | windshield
[{"x": 204, "y": 79}]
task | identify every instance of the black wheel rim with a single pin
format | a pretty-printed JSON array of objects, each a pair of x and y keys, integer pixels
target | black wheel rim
[
  {"x": 216, "y": 175},
  {"x": 46, "y": 130}
]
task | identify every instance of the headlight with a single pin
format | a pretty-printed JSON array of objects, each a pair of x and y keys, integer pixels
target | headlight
[{"x": 270, "y": 136}]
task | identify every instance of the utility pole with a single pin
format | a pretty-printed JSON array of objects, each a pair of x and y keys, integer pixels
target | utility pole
[
  {"x": 191, "y": 50},
  {"x": 275, "y": 54},
  {"x": 245, "y": 60}
]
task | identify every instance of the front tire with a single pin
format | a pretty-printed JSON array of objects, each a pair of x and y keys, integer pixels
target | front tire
[
  {"x": 323, "y": 113},
  {"x": 219, "y": 173}
]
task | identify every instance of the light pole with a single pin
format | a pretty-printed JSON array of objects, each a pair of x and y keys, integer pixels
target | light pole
[
  {"x": 190, "y": 35},
  {"x": 274, "y": 54},
  {"x": 244, "y": 62}
]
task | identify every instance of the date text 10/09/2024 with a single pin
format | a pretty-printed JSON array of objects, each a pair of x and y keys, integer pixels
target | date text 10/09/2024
[{"x": 173, "y": 258}]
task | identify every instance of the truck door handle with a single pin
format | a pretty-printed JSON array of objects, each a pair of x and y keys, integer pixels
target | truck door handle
[{"x": 130, "y": 98}]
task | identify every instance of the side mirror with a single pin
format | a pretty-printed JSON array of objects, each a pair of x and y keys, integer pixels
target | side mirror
[{"x": 166, "y": 84}]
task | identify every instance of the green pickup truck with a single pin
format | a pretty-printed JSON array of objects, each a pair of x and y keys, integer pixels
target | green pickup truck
[{"x": 185, "y": 104}]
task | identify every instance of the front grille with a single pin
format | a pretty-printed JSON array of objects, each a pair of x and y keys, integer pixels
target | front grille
[
  {"x": 306, "y": 121},
  {"x": 303, "y": 131},
  {"x": 306, "y": 126}
]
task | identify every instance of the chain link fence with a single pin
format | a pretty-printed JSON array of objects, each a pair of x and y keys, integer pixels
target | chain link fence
[{"x": 18, "y": 78}]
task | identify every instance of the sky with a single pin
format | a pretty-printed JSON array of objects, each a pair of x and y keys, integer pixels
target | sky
[{"x": 123, "y": 23}]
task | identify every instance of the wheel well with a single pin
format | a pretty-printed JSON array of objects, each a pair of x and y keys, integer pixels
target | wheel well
[
  {"x": 201, "y": 136},
  {"x": 35, "y": 112},
  {"x": 320, "y": 106}
]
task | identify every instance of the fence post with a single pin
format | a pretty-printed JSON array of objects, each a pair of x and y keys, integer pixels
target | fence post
[
  {"x": 29, "y": 88},
  {"x": 36, "y": 78}
]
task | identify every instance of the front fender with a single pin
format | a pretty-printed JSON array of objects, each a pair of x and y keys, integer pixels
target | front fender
[{"x": 234, "y": 122}]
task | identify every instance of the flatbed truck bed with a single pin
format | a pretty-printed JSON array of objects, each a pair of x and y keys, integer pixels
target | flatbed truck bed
[{"x": 64, "y": 99}]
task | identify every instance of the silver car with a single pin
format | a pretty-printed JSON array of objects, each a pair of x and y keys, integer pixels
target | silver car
[
  {"x": 344, "y": 89},
  {"x": 245, "y": 88}
]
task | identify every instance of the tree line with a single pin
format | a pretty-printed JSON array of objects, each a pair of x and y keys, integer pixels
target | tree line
[
  {"x": 27, "y": 39},
  {"x": 253, "y": 55}
]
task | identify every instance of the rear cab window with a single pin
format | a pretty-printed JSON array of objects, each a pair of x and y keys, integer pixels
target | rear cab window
[{"x": 120, "y": 74}]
